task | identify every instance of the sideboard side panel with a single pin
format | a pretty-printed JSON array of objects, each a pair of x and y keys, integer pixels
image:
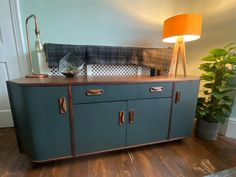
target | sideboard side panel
[{"x": 21, "y": 125}]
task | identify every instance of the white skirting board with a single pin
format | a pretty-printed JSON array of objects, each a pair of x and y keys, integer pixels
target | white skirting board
[
  {"x": 231, "y": 130},
  {"x": 228, "y": 129},
  {"x": 6, "y": 119}
]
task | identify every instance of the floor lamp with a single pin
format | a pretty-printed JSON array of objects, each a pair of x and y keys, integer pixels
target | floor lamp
[{"x": 180, "y": 29}]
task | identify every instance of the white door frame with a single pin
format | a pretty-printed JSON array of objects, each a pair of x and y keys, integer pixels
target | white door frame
[
  {"x": 18, "y": 60},
  {"x": 19, "y": 37}
]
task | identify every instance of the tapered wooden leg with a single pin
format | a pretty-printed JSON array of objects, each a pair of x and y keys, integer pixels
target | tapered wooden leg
[
  {"x": 177, "y": 61},
  {"x": 183, "y": 53},
  {"x": 173, "y": 64},
  {"x": 179, "y": 52}
]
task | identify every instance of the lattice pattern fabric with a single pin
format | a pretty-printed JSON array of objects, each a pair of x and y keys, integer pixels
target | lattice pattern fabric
[
  {"x": 145, "y": 71},
  {"x": 110, "y": 70},
  {"x": 114, "y": 70},
  {"x": 109, "y": 55},
  {"x": 56, "y": 72}
]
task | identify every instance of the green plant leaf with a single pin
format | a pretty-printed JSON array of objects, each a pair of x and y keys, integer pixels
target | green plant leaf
[
  {"x": 229, "y": 60},
  {"x": 228, "y": 90},
  {"x": 201, "y": 99},
  {"x": 208, "y": 85},
  {"x": 202, "y": 112},
  {"x": 218, "y": 52},
  {"x": 220, "y": 116},
  {"x": 229, "y": 75},
  {"x": 226, "y": 107},
  {"x": 205, "y": 67},
  {"x": 209, "y": 58},
  {"x": 217, "y": 94},
  {"x": 229, "y": 45},
  {"x": 232, "y": 48},
  {"x": 227, "y": 98},
  {"x": 208, "y": 76}
]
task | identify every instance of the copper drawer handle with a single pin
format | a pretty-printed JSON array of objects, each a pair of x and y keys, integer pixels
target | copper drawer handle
[
  {"x": 156, "y": 89},
  {"x": 177, "y": 97},
  {"x": 121, "y": 118},
  {"x": 94, "y": 92},
  {"x": 131, "y": 116},
  {"x": 62, "y": 105}
]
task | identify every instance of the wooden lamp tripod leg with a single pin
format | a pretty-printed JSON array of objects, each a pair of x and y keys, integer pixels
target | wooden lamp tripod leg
[
  {"x": 174, "y": 60},
  {"x": 182, "y": 51},
  {"x": 179, "y": 52}
]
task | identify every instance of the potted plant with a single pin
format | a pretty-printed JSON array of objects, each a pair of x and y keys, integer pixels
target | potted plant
[{"x": 215, "y": 104}]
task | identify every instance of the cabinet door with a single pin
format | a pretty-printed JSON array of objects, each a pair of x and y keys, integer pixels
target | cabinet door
[
  {"x": 148, "y": 120},
  {"x": 184, "y": 106},
  {"x": 99, "y": 126},
  {"x": 48, "y": 130}
]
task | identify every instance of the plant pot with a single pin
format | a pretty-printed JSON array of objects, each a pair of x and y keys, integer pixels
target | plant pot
[{"x": 207, "y": 130}]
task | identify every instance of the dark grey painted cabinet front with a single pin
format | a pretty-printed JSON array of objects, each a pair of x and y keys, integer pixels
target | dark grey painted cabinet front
[
  {"x": 97, "y": 126},
  {"x": 119, "y": 116},
  {"x": 184, "y": 108},
  {"x": 43, "y": 132},
  {"x": 150, "y": 120}
]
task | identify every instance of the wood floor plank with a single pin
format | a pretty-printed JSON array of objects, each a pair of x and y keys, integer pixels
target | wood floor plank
[
  {"x": 190, "y": 157},
  {"x": 182, "y": 165},
  {"x": 117, "y": 164},
  {"x": 148, "y": 164},
  {"x": 78, "y": 167},
  {"x": 187, "y": 158}
]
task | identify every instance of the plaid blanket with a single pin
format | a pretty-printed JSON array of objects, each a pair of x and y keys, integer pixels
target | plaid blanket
[{"x": 110, "y": 55}]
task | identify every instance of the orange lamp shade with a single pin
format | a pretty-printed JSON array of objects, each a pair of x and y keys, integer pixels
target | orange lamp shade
[{"x": 185, "y": 26}]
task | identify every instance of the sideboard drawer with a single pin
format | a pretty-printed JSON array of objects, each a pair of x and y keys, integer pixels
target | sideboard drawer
[{"x": 100, "y": 93}]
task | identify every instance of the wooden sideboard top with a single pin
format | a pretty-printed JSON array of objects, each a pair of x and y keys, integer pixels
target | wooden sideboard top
[{"x": 86, "y": 80}]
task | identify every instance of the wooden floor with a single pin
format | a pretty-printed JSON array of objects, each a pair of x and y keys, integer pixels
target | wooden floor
[{"x": 189, "y": 157}]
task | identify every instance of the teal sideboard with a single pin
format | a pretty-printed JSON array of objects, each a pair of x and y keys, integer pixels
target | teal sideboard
[{"x": 59, "y": 118}]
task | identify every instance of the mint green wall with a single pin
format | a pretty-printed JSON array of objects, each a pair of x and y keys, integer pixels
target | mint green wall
[
  {"x": 98, "y": 22},
  {"x": 131, "y": 23}
]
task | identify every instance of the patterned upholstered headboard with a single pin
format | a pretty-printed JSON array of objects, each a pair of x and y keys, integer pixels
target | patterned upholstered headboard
[{"x": 110, "y": 60}]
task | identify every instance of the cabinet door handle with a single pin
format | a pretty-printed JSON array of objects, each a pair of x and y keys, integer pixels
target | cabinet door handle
[
  {"x": 94, "y": 92},
  {"x": 156, "y": 89},
  {"x": 62, "y": 105},
  {"x": 131, "y": 116},
  {"x": 177, "y": 97},
  {"x": 121, "y": 118}
]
